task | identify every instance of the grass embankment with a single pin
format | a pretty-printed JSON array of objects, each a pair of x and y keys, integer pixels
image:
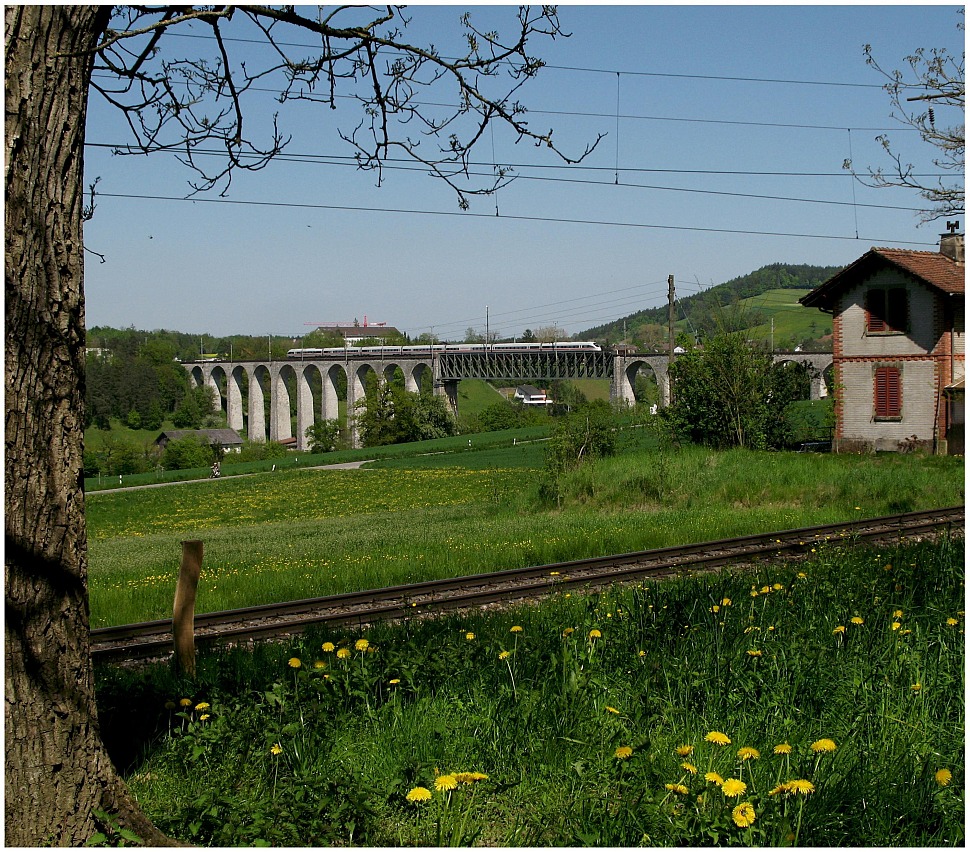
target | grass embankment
[
  {"x": 298, "y": 534},
  {"x": 814, "y": 704}
]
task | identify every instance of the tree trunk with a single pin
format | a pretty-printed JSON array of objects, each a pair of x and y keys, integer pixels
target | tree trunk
[{"x": 57, "y": 771}]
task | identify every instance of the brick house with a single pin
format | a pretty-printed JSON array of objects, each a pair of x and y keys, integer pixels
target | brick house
[{"x": 898, "y": 349}]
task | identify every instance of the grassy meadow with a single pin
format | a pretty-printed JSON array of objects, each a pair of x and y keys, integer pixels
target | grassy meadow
[
  {"x": 302, "y": 533},
  {"x": 818, "y": 703}
]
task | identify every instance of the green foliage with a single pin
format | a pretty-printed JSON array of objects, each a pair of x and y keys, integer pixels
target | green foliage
[
  {"x": 585, "y": 434},
  {"x": 254, "y": 451},
  {"x": 323, "y": 435},
  {"x": 185, "y": 453},
  {"x": 730, "y": 395},
  {"x": 196, "y": 409},
  {"x": 586, "y": 720},
  {"x": 389, "y": 414},
  {"x": 112, "y": 833}
]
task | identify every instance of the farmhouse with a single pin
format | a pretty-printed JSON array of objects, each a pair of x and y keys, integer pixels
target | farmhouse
[
  {"x": 228, "y": 438},
  {"x": 898, "y": 349},
  {"x": 529, "y": 395}
]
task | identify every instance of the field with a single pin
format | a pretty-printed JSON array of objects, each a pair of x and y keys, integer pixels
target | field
[
  {"x": 301, "y": 533},
  {"x": 817, "y": 703}
]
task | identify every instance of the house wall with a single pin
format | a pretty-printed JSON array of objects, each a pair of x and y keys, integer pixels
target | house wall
[{"x": 922, "y": 354}]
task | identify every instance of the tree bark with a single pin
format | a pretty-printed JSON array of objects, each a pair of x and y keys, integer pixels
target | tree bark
[{"x": 57, "y": 771}]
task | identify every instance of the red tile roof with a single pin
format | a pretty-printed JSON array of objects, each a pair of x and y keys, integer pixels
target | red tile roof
[{"x": 932, "y": 268}]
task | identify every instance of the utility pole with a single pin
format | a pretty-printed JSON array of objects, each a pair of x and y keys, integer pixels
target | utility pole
[{"x": 670, "y": 313}]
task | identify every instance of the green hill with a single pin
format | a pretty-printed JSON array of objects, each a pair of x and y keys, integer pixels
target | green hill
[{"x": 748, "y": 302}]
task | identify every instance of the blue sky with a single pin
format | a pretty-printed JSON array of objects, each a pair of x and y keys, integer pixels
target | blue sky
[{"x": 671, "y": 189}]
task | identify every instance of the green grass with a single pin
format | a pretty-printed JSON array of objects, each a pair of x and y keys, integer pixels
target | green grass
[
  {"x": 863, "y": 648},
  {"x": 304, "y": 533},
  {"x": 792, "y": 320}
]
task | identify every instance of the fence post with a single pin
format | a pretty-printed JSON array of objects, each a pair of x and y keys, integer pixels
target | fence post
[{"x": 183, "y": 612}]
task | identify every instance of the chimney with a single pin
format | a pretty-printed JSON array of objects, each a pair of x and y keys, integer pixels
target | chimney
[{"x": 951, "y": 243}]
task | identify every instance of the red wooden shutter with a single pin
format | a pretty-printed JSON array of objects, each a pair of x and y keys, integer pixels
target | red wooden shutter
[
  {"x": 888, "y": 392},
  {"x": 876, "y": 310}
]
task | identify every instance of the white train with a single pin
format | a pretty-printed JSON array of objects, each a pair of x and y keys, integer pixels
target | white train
[{"x": 425, "y": 349}]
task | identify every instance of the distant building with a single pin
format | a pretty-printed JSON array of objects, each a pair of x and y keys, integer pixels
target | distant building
[
  {"x": 529, "y": 395},
  {"x": 354, "y": 334},
  {"x": 228, "y": 438},
  {"x": 898, "y": 349}
]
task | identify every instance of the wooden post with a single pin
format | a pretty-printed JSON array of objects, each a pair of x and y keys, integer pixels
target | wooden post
[{"x": 183, "y": 612}]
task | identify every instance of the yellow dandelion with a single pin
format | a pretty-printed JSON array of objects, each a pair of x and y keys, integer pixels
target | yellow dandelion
[
  {"x": 504, "y": 655},
  {"x": 952, "y": 622},
  {"x": 715, "y": 608},
  {"x": 714, "y": 778},
  {"x": 754, "y": 652},
  {"x": 202, "y": 705},
  {"x": 295, "y": 663},
  {"x": 515, "y": 629},
  {"x": 445, "y": 782},
  {"x": 781, "y": 788},
  {"x": 726, "y": 602},
  {"x": 185, "y": 702},
  {"x": 718, "y": 738},
  {"x": 319, "y": 664},
  {"x": 594, "y": 634},
  {"x": 343, "y": 653},
  {"x": 800, "y": 785},
  {"x": 361, "y": 644},
  {"x": 276, "y": 748},
  {"x": 748, "y": 753},
  {"x": 839, "y": 629},
  {"x": 782, "y": 748},
  {"x": 641, "y": 653},
  {"x": 743, "y": 815},
  {"x": 469, "y": 636},
  {"x": 896, "y": 625},
  {"x": 733, "y": 787},
  {"x": 943, "y": 777},
  {"x": 765, "y": 590},
  {"x": 203, "y": 717},
  {"x": 689, "y": 767},
  {"x": 612, "y": 710},
  {"x": 857, "y": 620},
  {"x": 823, "y": 745},
  {"x": 916, "y": 687},
  {"x": 684, "y": 750},
  {"x": 169, "y": 705},
  {"x": 329, "y": 647},
  {"x": 898, "y": 613},
  {"x": 418, "y": 794},
  {"x": 569, "y": 631},
  {"x": 677, "y": 788},
  {"x": 623, "y": 752},
  {"x": 778, "y": 587},
  {"x": 394, "y": 680}
]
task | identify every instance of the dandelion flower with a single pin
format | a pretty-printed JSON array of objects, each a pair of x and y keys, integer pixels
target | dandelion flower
[
  {"x": 726, "y": 602},
  {"x": 898, "y": 613},
  {"x": 733, "y": 787},
  {"x": 445, "y": 782},
  {"x": 743, "y": 815},
  {"x": 800, "y": 785},
  {"x": 612, "y": 710},
  {"x": 857, "y": 620},
  {"x": 470, "y": 777},
  {"x": 203, "y": 717},
  {"x": 677, "y": 788},
  {"x": 718, "y": 738},
  {"x": 782, "y": 748},
  {"x": 839, "y": 629},
  {"x": 329, "y": 647},
  {"x": 689, "y": 767},
  {"x": 343, "y": 653},
  {"x": 469, "y": 636},
  {"x": 295, "y": 663},
  {"x": 896, "y": 625},
  {"x": 202, "y": 705},
  {"x": 394, "y": 680},
  {"x": 169, "y": 705},
  {"x": 684, "y": 750},
  {"x": 641, "y": 653},
  {"x": 594, "y": 634},
  {"x": 515, "y": 629},
  {"x": 748, "y": 753},
  {"x": 418, "y": 794},
  {"x": 943, "y": 777},
  {"x": 623, "y": 752},
  {"x": 319, "y": 664},
  {"x": 276, "y": 748},
  {"x": 754, "y": 652},
  {"x": 361, "y": 644},
  {"x": 952, "y": 622},
  {"x": 504, "y": 655},
  {"x": 823, "y": 745},
  {"x": 715, "y": 608},
  {"x": 569, "y": 631},
  {"x": 916, "y": 687},
  {"x": 714, "y": 778},
  {"x": 781, "y": 788},
  {"x": 778, "y": 587}
]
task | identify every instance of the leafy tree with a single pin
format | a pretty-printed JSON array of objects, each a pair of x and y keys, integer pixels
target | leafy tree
[
  {"x": 323, "y": 435},
  {"x": 58, "y": 774},
  {"x": 587, "y": 433},
  {"x": 729, "y": 394},
  {"x": 188, "y": 452},
  {"x": 939, "y": 77}
]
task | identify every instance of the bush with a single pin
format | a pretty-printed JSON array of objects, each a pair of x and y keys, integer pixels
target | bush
[{"x": 185, "y": 453}]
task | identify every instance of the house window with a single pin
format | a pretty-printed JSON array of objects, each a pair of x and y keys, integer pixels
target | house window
[
  {"x": 888, "y": 393},
  {"x": 887, "y": 310}
]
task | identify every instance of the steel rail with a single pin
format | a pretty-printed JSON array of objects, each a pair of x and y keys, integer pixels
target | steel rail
[{"x": 154, "y": 637}]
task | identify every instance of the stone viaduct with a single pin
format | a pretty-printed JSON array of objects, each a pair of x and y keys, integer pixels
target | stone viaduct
[{"x": 242, "y": 387}]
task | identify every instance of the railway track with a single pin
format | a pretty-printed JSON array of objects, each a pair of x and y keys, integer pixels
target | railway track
[{"x": 154, "y": 638}]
